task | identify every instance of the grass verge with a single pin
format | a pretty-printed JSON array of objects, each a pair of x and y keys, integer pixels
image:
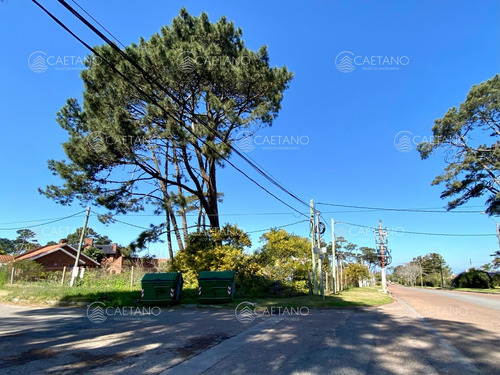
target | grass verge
[{"x": 57, "y": 295}]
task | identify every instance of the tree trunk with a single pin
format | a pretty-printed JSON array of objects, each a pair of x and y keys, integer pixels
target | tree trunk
[
  {"x": 182, "y": 207},
  {"x": 213, "y": 214},
  {"x": 176, "y": 227},
  {"x": 198, "y": 222},
  {"x": 169, "y": 237}
]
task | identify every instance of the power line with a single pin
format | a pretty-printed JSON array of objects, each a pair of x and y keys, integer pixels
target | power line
[
  {"x": 423, "y": 233},
  {"x": 221, "y": 214},
  {"x": 151, "y": 79},
  {"x": 154, "y": 101},
  {"x": 400, "y": 209},
  {"x": 88, "y": 14},
  {"x": 279, "y": 227},
  {"x": 148, "y": 77},
  {"x": 29, "y": 221},
  {"x": 53, "y": 220},
  {"x": 49, "y": 222},
  {"x": 195, "y": 226}
]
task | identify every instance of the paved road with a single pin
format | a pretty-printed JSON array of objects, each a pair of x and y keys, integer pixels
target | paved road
[
  {"x": 470, "y": 322},
  {"x": 391, "y": 339},
  {"x": 491, "y": 301}
]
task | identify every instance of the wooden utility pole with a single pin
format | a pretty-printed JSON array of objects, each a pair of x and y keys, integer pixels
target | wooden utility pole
[
  {"x": 421, "y": 279},
  {"x": 313, "y": 256},
  {"x": 320, "y": 256},
  {"x": 441, "y": 269},
  {"x": 63, "y": 275},
  {"x": 74, "y": 274},
  {"x": 341, "y": 268},
  {"x": 334, "y": 261}
]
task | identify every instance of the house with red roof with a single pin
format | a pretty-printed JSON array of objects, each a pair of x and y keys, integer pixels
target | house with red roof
[
  {"x": 56, "y": 257},
  {"x": 4, "y": 259}
]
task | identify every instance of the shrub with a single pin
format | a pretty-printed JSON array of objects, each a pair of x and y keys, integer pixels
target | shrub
[
  {"x": 473, "y": 279},
  {"x": 433, "y": 279},
  {"x": 100, "y": 278},
  {"x": 165, "y": 266},
  {"x": 94, "y": 253},
  {"x": 355, "y": 272},
  {"x": 28, "y": 270},
  {"x": 496, "y": 279},
  {"x": 4, "y": 275}
]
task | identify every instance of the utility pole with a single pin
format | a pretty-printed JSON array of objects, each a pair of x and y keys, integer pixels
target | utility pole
[
  {"x": 320, "y": 256},
  {"x": 382, "y": 242},
  {"x": 313, "y": 256},
  {"x": 421, "y": 279},
  {"x": 341, "y": 268},
  {"x": 441, "y": 269},
  {"x": 77, "y": 260},
  {"x": 334, "y": 261}
]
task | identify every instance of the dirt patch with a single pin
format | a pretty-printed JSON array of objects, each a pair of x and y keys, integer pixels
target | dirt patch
[{"x": 199, "y": 344}]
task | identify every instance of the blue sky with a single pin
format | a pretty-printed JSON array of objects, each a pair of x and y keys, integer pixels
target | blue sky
[{"x": 347, "y": 122}]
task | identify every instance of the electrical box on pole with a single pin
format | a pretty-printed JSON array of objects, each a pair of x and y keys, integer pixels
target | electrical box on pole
[{"x": 383, "y": 252}]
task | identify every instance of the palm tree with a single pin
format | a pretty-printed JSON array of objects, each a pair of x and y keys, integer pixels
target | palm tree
[{"x": 487, "y": 267}]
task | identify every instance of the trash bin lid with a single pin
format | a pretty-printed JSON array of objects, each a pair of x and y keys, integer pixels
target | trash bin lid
[
  {"x": 216, "y": 275},
  {"x": 165, "y": 276}
]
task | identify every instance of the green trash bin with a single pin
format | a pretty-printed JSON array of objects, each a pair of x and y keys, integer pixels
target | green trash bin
[
  {"x": 161, "y": 287},
  {"x": 215, "y": 286}
]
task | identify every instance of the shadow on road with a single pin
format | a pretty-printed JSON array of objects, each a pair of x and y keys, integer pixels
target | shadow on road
[{"x": 353, "y": 341}]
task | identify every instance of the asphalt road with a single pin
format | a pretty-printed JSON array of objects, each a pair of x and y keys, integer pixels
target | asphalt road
[
  {"x": 417, "y": 334},
  {"x": 491, "y": 301},
  {"x": 470, "y": 322}
]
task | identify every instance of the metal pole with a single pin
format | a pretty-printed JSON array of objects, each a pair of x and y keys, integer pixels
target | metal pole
[
  {"x": 313, "y": 256},
  {"x": 74, "y": 274},
  {"x": 12, "y": 272},
  {"x": 334, "y": 261}
]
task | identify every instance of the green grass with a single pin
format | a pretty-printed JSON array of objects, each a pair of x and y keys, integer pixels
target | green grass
[
  {"x": 124, "y": 295},
  {"x": 494, "y": 290},
  {"x": 52, "y": 294},
  {"x": 369, "y": 296},
  {"x": 96, "y": 285}
]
